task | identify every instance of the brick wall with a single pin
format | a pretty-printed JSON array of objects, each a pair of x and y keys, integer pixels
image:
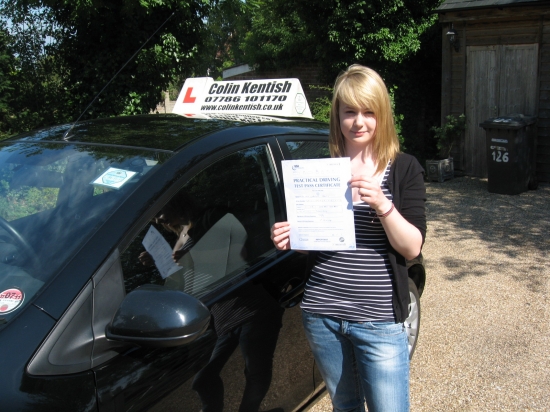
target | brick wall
[{"x": 165, "y": 107}]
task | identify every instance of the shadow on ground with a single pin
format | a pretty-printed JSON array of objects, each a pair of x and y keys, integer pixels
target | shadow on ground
[{"x": 504, "y": 226}]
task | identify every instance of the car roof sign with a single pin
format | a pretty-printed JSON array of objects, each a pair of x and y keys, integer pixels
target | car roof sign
[{"x": 204, "y": 98}]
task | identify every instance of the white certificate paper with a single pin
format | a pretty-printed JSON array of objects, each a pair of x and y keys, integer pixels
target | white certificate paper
[
  {"x": 318, "y": 203},
  {"x": 161, "y": 252}
]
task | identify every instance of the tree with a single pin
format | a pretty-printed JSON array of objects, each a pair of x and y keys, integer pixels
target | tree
[
  {"x": 227, "y": 24},
  {"x": 262, "y": 33},
  {"x": 87, "y": 42},
  {"x": 6, "y": 67},
  {"x": 278, "y": 37},
  {"x": 398, "y": 38},
  {"x": 337, "y": 33},
  {"x": 35, "y": 79}
]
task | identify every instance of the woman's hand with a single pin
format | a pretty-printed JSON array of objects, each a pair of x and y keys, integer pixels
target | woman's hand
[
  {"x": 280, "y": 235},
  {"x": 178, "y": 254},
  {"x": 370, "y": 192},
  {"x": 146, "y": 259}
]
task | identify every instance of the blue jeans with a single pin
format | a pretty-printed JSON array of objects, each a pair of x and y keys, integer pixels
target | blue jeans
[{"x": 361, "y": 361}]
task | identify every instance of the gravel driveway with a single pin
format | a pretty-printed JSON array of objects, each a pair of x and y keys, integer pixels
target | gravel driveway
[{"x": 484, "y": 343}]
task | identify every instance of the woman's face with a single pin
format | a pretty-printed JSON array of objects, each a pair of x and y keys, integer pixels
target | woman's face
[
  {"x": 169, "y": 219},
  {"x": 358, "y": 125}
]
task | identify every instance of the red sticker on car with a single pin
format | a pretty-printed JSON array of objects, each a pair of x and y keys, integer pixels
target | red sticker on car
[{"x": 10, "y": 300}]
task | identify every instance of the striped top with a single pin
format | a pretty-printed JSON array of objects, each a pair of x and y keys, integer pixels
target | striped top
[{"x": 355, "y": 285}]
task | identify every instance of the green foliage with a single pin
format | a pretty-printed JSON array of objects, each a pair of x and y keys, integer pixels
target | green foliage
[
  {"x": 398, "y": 118},
  {"x": 68, "y": 52},
  {"x": 36, "y": 95},
  {"x": 265, "y": 34},
  {"x": 174, "y": 90},
  {"x": 449, "y": 133},
  {"x": 320, "y": 107},
  {"x": 399, "y": 38},
  {"x": 25, "y": 201},
  {"x": 133, "y": 105},
  {"x": 337, "y": 33},
  {"x": 417, "y": 94},
  {"x": 6, "y": 88},
  {"x": 278, "y": 38},
  {"x": 226, "y": 26}
]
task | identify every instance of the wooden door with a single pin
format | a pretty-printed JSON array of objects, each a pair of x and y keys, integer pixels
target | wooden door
[
  {"x": 518, "y": 79},
  {"x": 500, "y": 80},
  {"x": 481, "y": 101}
]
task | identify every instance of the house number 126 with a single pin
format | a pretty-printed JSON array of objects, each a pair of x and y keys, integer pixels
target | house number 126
[{"x": 499, "y": 156}]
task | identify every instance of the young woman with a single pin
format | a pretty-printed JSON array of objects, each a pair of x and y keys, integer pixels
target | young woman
[
  {"x": 176, "y": 216},
  {"x": 355, "y": 302}
]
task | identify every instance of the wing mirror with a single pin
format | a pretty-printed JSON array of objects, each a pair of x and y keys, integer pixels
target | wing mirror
[{"x": 152, "y": 315}]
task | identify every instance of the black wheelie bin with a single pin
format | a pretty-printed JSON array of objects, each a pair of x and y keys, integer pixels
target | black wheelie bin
[{"x": 511, "y": 153}]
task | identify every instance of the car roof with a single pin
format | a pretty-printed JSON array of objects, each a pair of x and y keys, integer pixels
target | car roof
[{"x": 165, "y": 132}]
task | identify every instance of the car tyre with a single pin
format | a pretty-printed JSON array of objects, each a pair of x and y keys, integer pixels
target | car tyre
[{"x": 412, "y": 323}]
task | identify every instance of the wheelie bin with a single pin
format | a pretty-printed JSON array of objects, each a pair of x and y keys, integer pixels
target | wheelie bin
[{"x": 511, "y": 155}]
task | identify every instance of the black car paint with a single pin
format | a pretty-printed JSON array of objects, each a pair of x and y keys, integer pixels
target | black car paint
[
  {"x": 125, "y": 220},
  {"x": 27, "y": 331}
]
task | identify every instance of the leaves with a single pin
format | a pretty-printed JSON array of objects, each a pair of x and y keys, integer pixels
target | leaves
[
  {"x": 68, "y": 52},
  {"x": 449, "y": 133},
  {"x": 6, "y": 87}
]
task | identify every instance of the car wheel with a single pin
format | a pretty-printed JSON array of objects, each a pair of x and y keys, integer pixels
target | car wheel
[{"x": 412, "y": 323}]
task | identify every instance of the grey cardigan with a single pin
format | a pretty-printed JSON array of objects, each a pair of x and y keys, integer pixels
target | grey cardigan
[{"x": 406, "y": 184}]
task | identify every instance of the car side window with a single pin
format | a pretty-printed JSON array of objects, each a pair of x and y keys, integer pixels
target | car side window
[
  {"x": 308, "y": 149},
  {"x": 217, "y": 225}
]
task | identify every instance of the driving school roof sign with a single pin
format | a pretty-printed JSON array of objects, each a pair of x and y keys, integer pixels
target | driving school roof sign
[{"x": 202, "y": 98}]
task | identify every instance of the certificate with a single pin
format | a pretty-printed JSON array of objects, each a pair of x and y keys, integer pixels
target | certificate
[
  {"x": 161, "y": 252},
  {"x": 318, "y": 203}
]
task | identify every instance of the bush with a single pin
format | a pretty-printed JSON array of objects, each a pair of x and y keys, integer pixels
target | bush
[{"x": 449, "y": 133}]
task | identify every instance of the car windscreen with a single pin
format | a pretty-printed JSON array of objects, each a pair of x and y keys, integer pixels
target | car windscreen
[{"x": 52, "y": 198}]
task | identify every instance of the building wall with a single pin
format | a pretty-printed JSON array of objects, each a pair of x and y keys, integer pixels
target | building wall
[
  {"x": 498, "y": 26},
  {"x": 167, "y": 106},
  {"x": 543, "y": 123}
]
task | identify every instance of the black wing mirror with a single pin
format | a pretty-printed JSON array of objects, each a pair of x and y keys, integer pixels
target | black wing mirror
[{"x": 153, "y": 315}]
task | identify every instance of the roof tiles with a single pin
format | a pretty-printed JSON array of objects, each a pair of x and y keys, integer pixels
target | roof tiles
[{"x": 449, "y": 5}]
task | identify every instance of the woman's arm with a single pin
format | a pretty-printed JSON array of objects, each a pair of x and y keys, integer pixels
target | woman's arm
[{"x": 404, "y": 237}]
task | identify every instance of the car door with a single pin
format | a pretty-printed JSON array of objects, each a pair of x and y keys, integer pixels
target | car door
[{"x": 254, "y": 355}]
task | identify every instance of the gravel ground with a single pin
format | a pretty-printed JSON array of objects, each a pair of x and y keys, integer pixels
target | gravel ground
[{"x": 484, "y": 342}]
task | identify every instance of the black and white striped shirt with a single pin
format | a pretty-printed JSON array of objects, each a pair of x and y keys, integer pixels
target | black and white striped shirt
[{"x": 355, "y": 285}]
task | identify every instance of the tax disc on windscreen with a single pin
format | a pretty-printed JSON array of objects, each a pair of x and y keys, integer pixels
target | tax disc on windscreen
[
  {"x": 114, "y": 178},
  {"x": 10, "y": 300}
]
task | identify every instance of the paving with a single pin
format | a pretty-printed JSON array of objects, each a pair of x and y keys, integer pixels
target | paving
[{"x": 485, "y": 341}]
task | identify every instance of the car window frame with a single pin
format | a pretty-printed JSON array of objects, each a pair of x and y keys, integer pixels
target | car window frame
[{"x": 250, "y": 272}]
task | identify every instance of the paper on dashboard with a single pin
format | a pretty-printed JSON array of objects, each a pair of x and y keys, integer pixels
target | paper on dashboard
[{"x": 318, "y": 203}]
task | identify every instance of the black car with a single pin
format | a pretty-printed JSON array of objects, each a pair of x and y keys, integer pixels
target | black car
[{"x": 87, "y": 325}]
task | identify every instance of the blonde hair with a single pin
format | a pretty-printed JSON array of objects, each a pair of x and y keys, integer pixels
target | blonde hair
[{"x": 361, "y": 87}]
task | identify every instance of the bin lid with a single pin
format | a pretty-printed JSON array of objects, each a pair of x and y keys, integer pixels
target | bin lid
[{"x": 510, "y": 121}]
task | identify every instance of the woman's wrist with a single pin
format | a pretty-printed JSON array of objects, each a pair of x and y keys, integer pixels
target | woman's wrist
[{"x": 386, "y": 212}]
